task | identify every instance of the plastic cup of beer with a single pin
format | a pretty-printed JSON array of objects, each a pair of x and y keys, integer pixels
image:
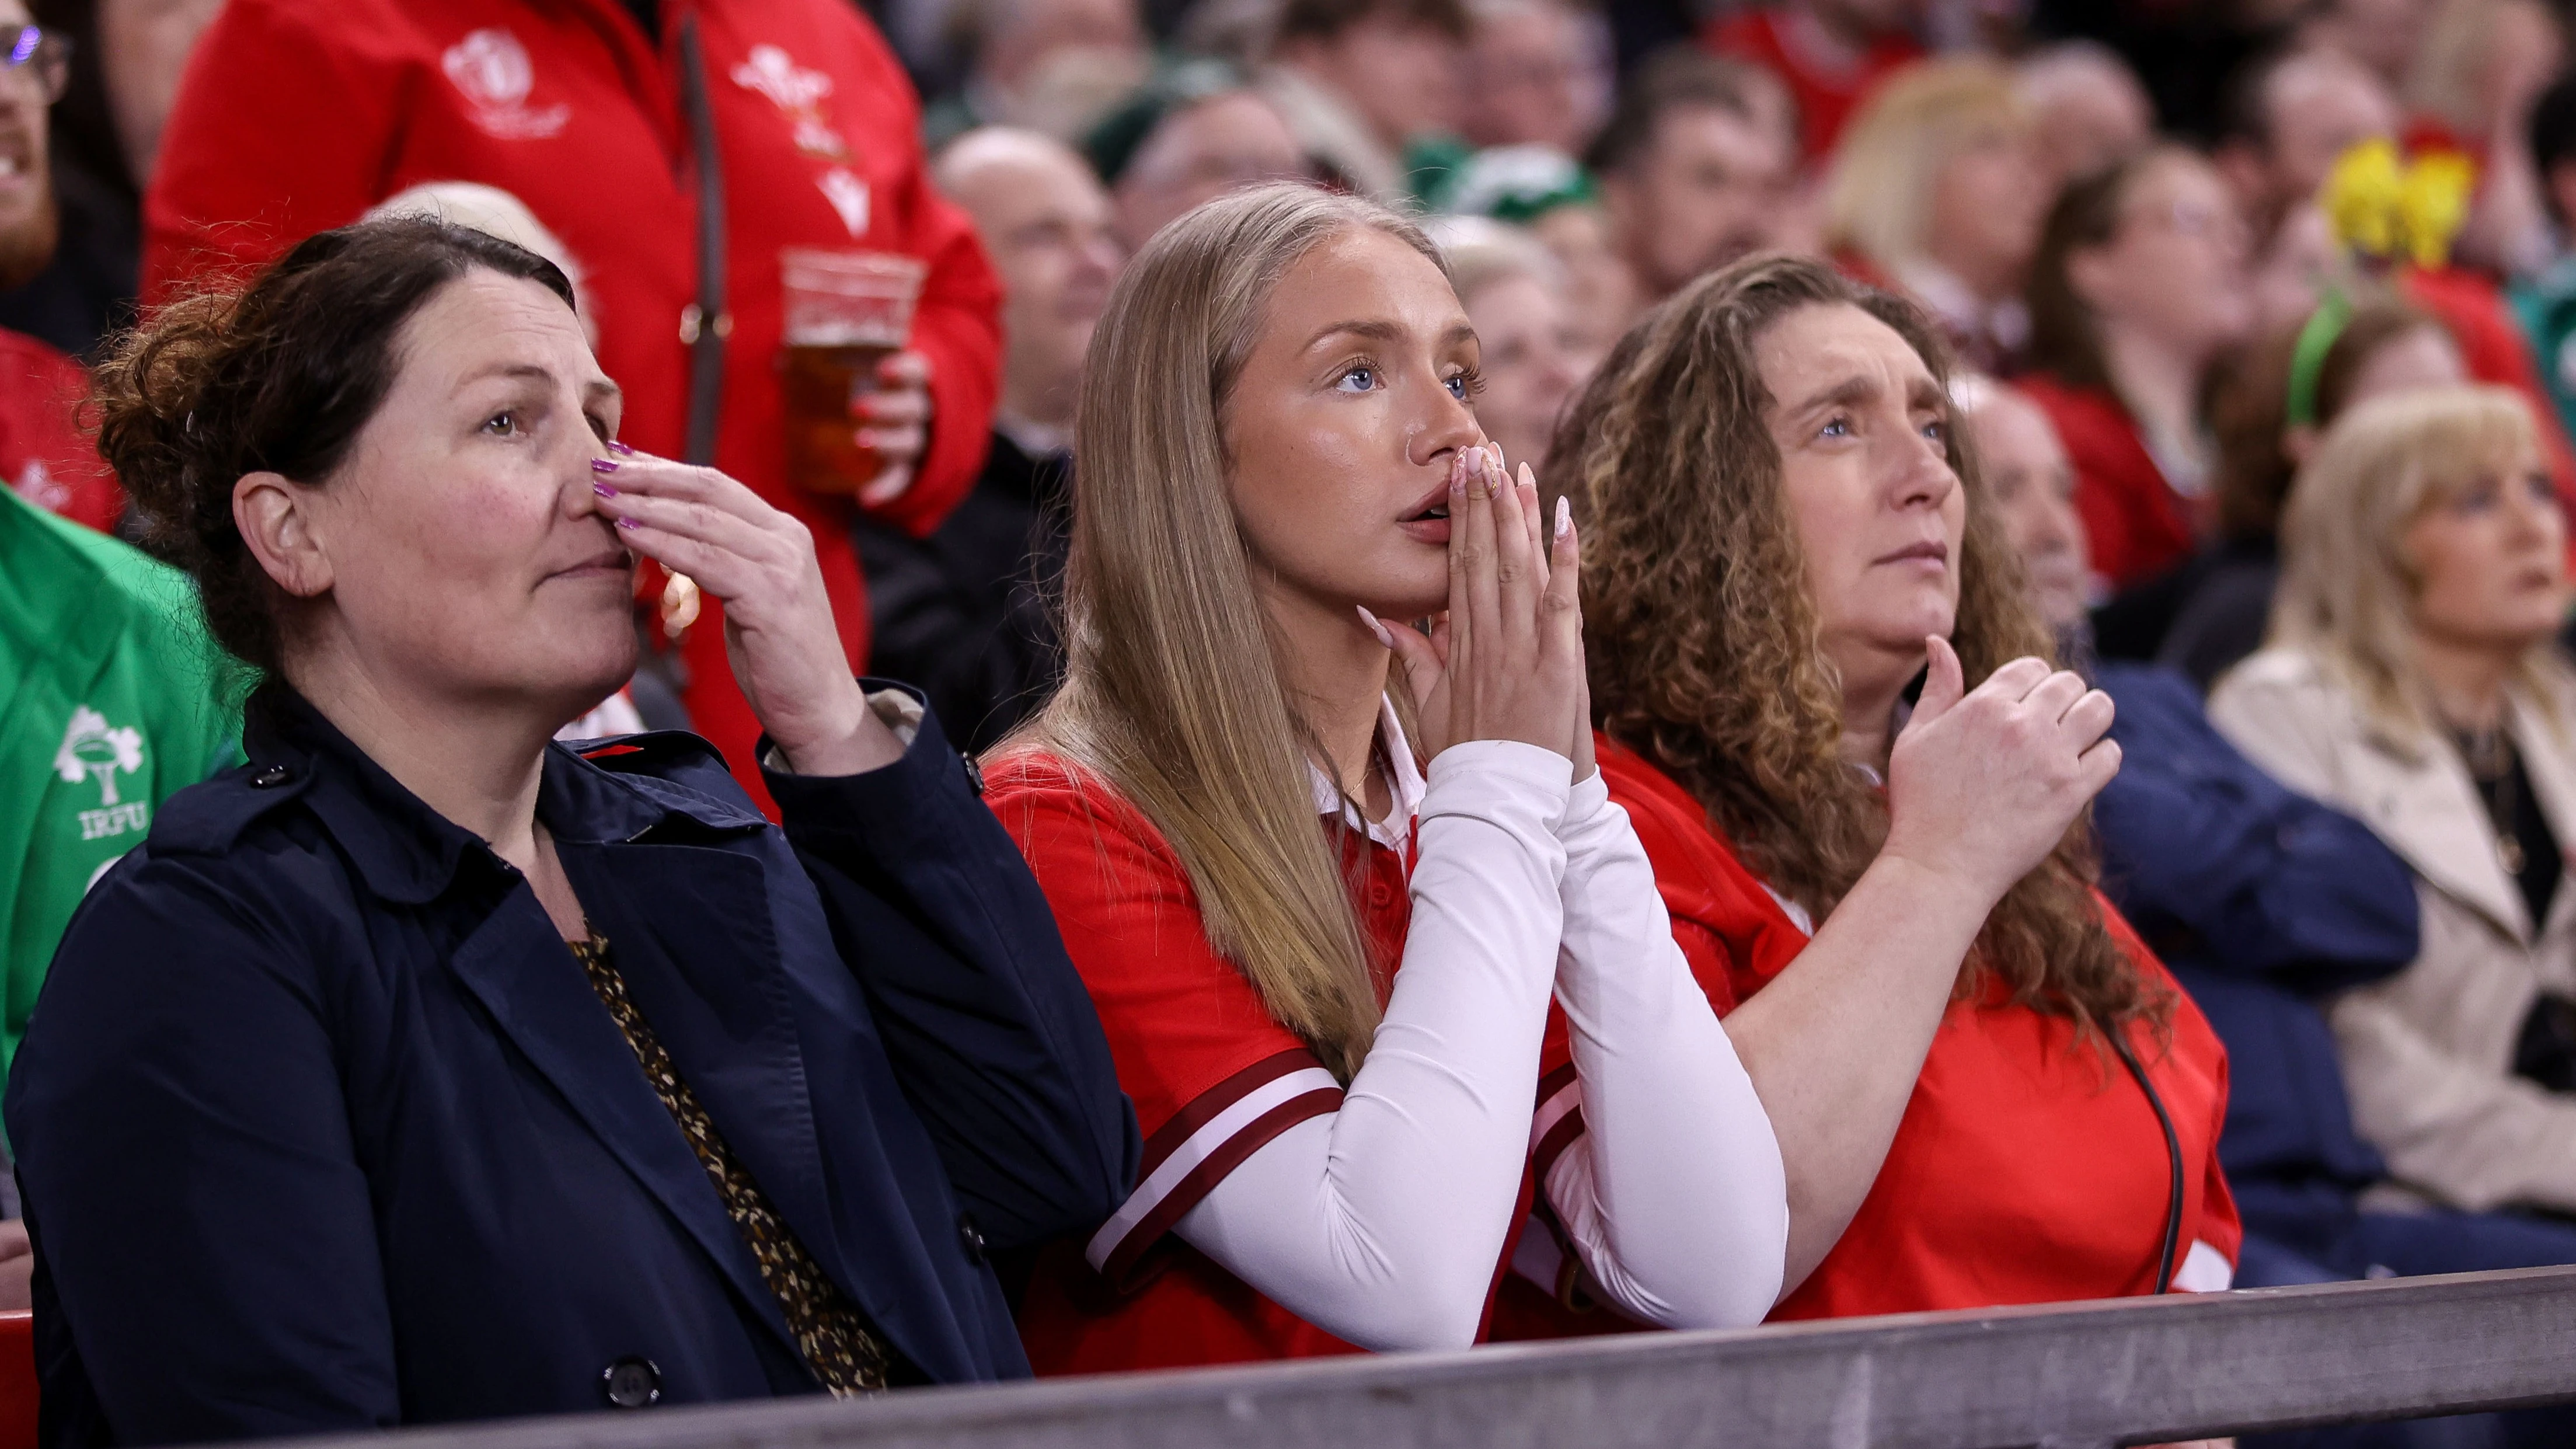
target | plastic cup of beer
[{"x": 846, "y": 311}]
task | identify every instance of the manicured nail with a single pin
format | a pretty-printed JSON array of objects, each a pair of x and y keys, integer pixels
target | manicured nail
[
  {"x": 1564, "y": 511},
  {"x": 603, "y": 490},
  {"x": 617, "y": 447},
  {"x": 1376, "y": 628},
  {"x": 1457, "y": 477},
  {"x": 603, "y": 465}
]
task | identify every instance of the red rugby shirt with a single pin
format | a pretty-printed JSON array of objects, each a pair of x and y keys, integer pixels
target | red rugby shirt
[{"x": 2027, "y": 1168}]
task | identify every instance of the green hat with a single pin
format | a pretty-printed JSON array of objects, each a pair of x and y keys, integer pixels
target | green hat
[{"x": 1114, "y": 142}]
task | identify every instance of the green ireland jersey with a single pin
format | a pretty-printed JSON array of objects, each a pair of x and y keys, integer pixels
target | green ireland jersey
[{"x": 112, "y": 696}]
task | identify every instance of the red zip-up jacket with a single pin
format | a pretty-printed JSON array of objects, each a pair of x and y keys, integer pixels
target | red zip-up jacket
[{"x": 297, "y": 115}]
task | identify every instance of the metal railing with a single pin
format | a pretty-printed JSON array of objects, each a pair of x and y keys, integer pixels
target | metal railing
[{"x": 2071, "y": 1376}]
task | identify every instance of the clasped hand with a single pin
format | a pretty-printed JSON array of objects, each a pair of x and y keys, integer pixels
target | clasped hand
[
  {"x": 1506, "y": 661},
  {"x": 1983, "y": 783}
]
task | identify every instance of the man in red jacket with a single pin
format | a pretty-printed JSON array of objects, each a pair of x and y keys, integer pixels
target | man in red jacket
[{"x": 297, "y": 115}]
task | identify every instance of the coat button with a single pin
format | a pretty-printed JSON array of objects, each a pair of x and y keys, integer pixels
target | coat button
[
  {"x": 974, "y": 773},
  {"x": 272, "y": 777},
  {"x": 632, "y": 1383},
  {"x": 971, "y": 1236}
]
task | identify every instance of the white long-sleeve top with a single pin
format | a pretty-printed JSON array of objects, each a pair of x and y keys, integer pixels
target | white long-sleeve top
[{"x": 1381, "y": 1222}]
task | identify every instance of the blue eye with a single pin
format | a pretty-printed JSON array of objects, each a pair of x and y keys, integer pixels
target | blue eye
[
  {"x": 1466, "y": 385},
  {"x": 1838, "y": 428},
  {"x": 1364, "y": 375},
  {"x": 1937, "y": 430}
]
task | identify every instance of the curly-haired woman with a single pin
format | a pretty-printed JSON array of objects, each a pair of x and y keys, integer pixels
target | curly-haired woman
[{"x": 1782, "y": 533}]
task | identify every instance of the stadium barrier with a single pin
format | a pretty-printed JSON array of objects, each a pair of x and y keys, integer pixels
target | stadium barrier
[{"x": 2064, "y": 1376}]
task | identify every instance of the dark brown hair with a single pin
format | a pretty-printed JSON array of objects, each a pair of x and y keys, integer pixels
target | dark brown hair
[
  {"x": 2249, "y": 408},
  {"x": 2065, "y": 338},
  {"x": 1701, "y": 637},
  {"x": 278, "y": 377}
]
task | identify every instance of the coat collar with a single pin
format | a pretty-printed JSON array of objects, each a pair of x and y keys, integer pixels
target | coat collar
[
  {"x": 2418, "y": 796},
  {"x": 408, "y": 853}
]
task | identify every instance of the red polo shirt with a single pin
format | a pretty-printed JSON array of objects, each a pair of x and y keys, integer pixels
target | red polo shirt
[
  {"x": 43, "y": 452},
  {"x": 298, "y": 115},
  {"x": 2028, "y": 1168},
  {"x": 1213, "y": 1075}
]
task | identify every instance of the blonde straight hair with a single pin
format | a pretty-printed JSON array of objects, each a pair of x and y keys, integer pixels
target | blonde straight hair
[
  {"x": 1173, "y": 691},
  {"x": 1878, "y": 199},
  {"x": 2347, "y": 589}
]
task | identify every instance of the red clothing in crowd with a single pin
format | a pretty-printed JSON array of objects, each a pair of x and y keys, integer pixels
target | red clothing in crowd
[
  {"x": 1213, "y": 1075},
  {"x": 43, "y": 452},
  {"x": 1826, "y": 96},
  {"x": 2028, "y": 1168},
  {"x": 2135, "y": 522},
  {"x": 297, "y": 115},
  {"x": 2495, "y": 349}
]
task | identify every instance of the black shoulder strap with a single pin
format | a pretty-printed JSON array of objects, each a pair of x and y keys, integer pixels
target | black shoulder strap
[{"x": 707, "y": 323}]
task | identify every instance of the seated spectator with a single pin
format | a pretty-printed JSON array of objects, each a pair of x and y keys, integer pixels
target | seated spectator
[
  {"x": 2087, "y": 107},
  {"x": 2268, "y": 404},
  {"x": 1189, "y": 137},
  {"x": 117, "y": 700},
  {"x": 1325, "y": 959},
  {"x": 125, "y": 60},
  {"x": 2292, "y": 115},
  {"x": 2410, "y": 679},
  {"x": 1992, "y": 1048},
  {"x": 2260, "y": 902},
  {"x": 43, "y": 456},
  {"x": 2138, "y": 286},
  {"x": 1529, "y": 353},
  {"x": 1692, "y": 175},
  {"x": 1937, "y": 192},
  {"x": 1832, "y": 53},
  {"x": 1550, "y": 195},
  {"x": 658, "y": 1103},
  {"x": 1361, "y": 81},
  {"x": 964, "y": 615},
  {"x": 1537, "y": 74},
  {"x": 1052, "y": 66}
]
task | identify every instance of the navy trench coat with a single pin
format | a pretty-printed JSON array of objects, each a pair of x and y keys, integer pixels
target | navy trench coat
[{"x": 320, "y": 1126}]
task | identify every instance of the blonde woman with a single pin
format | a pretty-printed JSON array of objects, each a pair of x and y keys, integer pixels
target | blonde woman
[
  {"x": 1938, "y": 191},
  {"x": 2410, "y": 680},
  {"x": 1324, "y": 964}
]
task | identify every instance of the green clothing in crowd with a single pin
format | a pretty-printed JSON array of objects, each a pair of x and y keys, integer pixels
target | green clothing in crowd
[{"x": 112, "y": 697}]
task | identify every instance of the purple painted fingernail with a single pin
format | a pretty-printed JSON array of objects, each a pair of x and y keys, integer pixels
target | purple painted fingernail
[
  {"x": 617, "y": 447},
  {"x": 603, "y": 465},
  {"x": 603, "y": 490}
]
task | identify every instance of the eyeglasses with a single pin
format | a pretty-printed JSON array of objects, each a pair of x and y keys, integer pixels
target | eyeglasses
[{"x": 39, "y": 56}]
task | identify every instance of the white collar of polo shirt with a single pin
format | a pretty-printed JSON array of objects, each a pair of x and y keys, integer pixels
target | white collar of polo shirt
[{"x": 1404, "y": 780}]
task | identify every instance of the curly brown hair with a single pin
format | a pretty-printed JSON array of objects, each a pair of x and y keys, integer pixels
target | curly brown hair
[{"x": 1701, "y": 637}]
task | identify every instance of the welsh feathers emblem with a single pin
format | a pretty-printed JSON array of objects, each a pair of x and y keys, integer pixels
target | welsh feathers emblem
[
  {"x": 492, "y": 68},
  {"x": 94, "y": 751}
]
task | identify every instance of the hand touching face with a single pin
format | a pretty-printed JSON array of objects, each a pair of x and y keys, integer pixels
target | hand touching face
[
  {"x": 1342, "y": 427},
  {"x": 458, "y": 554}
]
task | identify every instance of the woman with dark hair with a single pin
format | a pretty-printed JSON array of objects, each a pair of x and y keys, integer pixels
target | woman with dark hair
[
  {"x": 1783, "y": 534},
  {"x": 2138, "y": 285},
  {"x": 423, "y": 1069}
]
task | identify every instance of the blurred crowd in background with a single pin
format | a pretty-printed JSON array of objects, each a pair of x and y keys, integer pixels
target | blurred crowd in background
[{"x": 2184, "y": 235}]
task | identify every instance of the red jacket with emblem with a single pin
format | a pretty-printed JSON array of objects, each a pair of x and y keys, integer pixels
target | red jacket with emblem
[{"x": 298, "y": 115}]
